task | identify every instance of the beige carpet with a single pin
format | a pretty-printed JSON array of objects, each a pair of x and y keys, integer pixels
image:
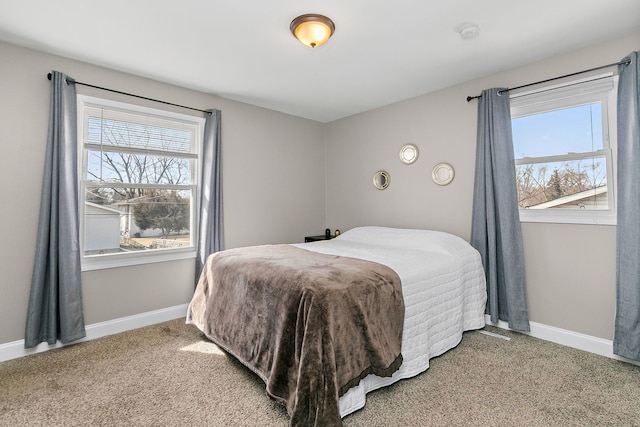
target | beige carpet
[{"x": 169, "y": 375}]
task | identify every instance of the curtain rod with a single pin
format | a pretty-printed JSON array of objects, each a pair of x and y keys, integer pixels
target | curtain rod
[
  {"x": 136, "y": 96},
  {"x": 626, "y": 62}
]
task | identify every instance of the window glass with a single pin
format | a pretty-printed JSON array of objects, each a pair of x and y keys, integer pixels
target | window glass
[
  {"x": 576, "y": 129},
  {"x": 539, "y": 184},
  {"x": 560, "y": 154},
  {"x": 563, "y": 153},
  {"x": 137, "y": 168},
  {"x": 138, "y": 182}
]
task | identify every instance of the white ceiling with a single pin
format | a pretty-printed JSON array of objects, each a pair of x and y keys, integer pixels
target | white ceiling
[{"x": 381, "y": 52}]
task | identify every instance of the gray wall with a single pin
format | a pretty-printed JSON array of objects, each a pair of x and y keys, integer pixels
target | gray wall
[
  {"x": 276, "y": 188},
  {"x": 273, "y": 184},
  {"x": 570, "y": 268}
]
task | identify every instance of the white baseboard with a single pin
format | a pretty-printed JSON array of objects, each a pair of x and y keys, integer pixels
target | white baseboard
[
  {"x": 568, "y": 338},
  {"x": 15, "y": 349}
]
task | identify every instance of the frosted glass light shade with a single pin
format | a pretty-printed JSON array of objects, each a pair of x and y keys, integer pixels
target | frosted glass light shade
[{"x": 312, "y": 30}]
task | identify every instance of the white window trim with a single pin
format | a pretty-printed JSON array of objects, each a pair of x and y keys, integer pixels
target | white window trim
[
  {"x": 100, "y": 262},
  {"x": 563, "y": 95}
]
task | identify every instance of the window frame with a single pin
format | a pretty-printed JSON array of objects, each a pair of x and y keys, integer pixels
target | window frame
[
  {"x": 114, "y": 260},
  {"x": 600, "y": 88}
]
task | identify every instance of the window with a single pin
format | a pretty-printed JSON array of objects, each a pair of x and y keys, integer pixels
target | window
[
  {"x": 564, "y": 141},
  {"x": 138, "y": 183}
]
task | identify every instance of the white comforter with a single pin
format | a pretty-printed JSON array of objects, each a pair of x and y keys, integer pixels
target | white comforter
[{"x": 444, "y": 292}]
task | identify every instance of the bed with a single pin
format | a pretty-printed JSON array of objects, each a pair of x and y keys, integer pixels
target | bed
[{"x": 414, "y": 291}]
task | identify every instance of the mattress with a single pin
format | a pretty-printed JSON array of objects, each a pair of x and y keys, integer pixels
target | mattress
[{"x": 443, "y": 287}]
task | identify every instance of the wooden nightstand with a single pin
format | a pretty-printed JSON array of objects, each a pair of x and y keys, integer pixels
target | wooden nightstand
[{"x": 308, "y": 239}]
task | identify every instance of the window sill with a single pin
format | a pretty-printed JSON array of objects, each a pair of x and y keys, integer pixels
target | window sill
[
  {"x": 119, "y": 260},
  {"x": 566, "y": 216}
]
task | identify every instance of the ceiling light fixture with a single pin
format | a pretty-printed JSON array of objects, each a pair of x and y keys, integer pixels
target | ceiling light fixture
[{"x": 312, "y": 30}]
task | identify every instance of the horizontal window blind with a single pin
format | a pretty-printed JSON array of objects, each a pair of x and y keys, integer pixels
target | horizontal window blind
[
  {"x": 110, "y": 127},
  {"x": 560, "y": 96}
]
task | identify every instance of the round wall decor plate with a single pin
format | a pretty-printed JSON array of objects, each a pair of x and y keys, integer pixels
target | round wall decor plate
[
  {"x": 443, "y": 173},
  {"x": 408, "y": 154},
  {"x": 381, "y": 180}
]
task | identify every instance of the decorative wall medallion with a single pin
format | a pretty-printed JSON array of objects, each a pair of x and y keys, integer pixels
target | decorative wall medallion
[
  {"x": 408, "y": 154},
  {"x": 443, "y": 173},
  {"x": 381, "y": 180}
]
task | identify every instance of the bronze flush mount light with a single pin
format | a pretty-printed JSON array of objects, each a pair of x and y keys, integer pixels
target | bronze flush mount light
[{"x": 312, "y": 30}]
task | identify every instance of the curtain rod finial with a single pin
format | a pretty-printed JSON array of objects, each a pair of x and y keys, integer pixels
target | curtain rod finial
[{"x": 49, "y": 76}]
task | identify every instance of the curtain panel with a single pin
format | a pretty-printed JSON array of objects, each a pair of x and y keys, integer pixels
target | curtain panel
[
  {"x": 495, "y": 228},
  {"x": 626, "y": 341},
  {"x": 55, "y": 309},
  {"x": 210, "y": 217}
]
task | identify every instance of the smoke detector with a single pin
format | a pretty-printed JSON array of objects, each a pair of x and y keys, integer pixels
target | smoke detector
[{"x": 468, "y": 31}]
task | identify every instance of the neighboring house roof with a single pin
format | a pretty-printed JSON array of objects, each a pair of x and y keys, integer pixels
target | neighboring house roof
[
  {"x": 573, "y": 198},
  {"x": 103, "y": 207}
]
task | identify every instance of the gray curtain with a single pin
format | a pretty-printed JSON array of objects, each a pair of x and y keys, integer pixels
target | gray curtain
[
  {"x": 55, "y": 303},
  {"x": 210, "y": 218},
  {"x": 495, "y": 228},
  {"x": 626, "y": 341}
]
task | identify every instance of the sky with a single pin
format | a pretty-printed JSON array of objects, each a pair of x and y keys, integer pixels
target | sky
[{"x": 577, "y": 129}]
